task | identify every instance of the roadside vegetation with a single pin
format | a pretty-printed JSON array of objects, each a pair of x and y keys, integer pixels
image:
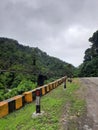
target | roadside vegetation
[
  {"x": 21, "y": 65},
  {"x": 89, "y": 68},
  {"x": 62, "y": 108}
]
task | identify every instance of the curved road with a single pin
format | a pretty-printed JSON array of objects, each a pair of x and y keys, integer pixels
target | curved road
[{"x": 91, "y": 96}]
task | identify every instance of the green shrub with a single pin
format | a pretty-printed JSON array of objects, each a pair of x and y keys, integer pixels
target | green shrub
[{"x": 25, "y": 86}]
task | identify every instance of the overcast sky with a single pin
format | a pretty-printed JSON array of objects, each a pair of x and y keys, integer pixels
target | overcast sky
[{"x": 61, "y": 28}]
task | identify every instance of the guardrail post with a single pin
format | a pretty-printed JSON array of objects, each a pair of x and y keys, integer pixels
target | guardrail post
[
  {"x": 64, "y": 83},
  {"x": 38, "y": 101}
]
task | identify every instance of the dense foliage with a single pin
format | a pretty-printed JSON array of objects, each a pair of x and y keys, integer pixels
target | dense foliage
[
  {"x": 90, "y": 66},
  {"x": 20, "y": 66}
]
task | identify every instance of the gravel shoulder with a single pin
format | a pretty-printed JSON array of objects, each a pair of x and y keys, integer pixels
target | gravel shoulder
[{"x": 88, "y": 92}]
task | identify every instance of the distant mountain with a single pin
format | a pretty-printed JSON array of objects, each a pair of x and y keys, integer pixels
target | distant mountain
[
  {"x": 18, "y": 62},
  {"x": 14, "y": 56}
]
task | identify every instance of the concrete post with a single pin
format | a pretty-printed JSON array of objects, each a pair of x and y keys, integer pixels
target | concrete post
[
  {"x": 38, "y": 101},
  {"x": 64, "y": 83}
]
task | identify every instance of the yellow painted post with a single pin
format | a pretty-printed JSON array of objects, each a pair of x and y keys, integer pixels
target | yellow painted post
[
  {"x": 43, "y": 90},
  {"x": 48, "y": 88},
  {"x": 28, "y": 96},
  {"x": 3, "y": 109}
]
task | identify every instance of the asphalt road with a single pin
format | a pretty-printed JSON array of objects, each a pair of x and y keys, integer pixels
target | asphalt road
[{"x": 91, "y": 97}]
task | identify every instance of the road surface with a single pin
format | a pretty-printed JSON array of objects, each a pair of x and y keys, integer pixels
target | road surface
[{"x": 91, "y": 97}]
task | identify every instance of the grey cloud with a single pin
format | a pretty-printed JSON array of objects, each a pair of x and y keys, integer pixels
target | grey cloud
[{"x": 51, "y": 25}]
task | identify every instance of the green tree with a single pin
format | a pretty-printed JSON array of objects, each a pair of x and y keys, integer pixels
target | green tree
[
  {"x": 94, "y": 41},
  {"x": 88, "y": 55},
  {"x": 90, "y": 65}
]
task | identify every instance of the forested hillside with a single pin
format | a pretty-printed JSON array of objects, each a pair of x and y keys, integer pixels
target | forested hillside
[
  {"x": 20, "y": 66},
  {"x": 89, "y": 68}
]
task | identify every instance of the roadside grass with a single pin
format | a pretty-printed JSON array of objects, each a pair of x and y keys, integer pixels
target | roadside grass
[
  {"x": 76, "y": 107},
  {"x": 53, "y": 105}
]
